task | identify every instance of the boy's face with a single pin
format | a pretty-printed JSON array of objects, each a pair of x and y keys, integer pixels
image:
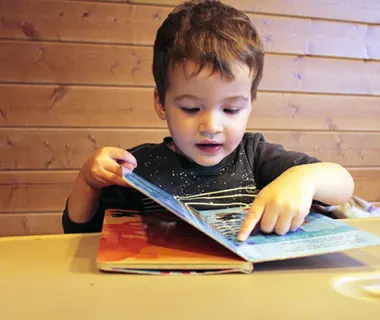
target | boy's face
[{"x": 206, "y": 115}]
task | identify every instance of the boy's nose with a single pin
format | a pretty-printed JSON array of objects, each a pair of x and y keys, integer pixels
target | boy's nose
[{"x": 210, "y": 125}]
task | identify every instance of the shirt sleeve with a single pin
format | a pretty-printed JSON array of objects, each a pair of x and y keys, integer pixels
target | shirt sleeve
[
  {"x": 271, "y": 160},
  {"x": 112, "y": 197},
  {"x": 93, "y": 225}
]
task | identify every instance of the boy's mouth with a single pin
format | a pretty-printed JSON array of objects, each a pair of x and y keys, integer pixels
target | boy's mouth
[{"x": 209, "y": 146}]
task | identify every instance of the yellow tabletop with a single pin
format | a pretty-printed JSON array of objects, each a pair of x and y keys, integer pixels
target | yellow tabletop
[{"x": 55, "y": 277}]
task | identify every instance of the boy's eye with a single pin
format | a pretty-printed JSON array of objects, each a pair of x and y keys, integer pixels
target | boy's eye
[
  {"x": 190, "y": 110},
  {"x": 231, "y": 111}
]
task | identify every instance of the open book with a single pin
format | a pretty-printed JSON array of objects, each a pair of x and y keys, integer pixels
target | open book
[{"x": 180, "y": 239}]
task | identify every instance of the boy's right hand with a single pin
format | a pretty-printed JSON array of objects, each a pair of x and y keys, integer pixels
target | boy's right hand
[{"x": 106, "y": 167}]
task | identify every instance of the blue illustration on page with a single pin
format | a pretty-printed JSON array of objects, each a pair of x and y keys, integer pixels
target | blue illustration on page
[{"x": 318, "y": 234}]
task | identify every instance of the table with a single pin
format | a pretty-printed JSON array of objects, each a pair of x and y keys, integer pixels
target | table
[{"x": 55, "y": 277}]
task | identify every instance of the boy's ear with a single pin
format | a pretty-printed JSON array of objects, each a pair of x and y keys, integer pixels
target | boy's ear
[
  {"x": 253, "y": 102},
  {"x": 160, "y": 109}
]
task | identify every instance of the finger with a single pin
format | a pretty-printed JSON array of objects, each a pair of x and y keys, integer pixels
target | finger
[
  {"x": 252, "y": 218},
  {"x": 283, "y": 223},
  {"x": 113, "y": 178},
  {"x": 269, "y": 218},
  {"x": 98, "y": 182},
  {"x": 128, "y": 166},
  {"x": 125, "y": 170},
  {"x": 101, "y": 180},
  {"x": 296, "y": 222},
  {"x": 124, "y": 157},
  {"x": 113, "y": 167},
  {"x": 114, "y": 171}
]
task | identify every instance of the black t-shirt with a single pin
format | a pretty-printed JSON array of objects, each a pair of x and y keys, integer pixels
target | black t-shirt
[{"x": 233, "y": 182}]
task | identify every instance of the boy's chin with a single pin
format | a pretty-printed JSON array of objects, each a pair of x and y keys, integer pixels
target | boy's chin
[
  {"x": 207, "y": 162},
  {"x": 202, "y": 160}
]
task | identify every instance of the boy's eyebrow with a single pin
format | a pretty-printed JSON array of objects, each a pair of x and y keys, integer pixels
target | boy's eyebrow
[
  {"x": 236, "y": 98},
  {"x": 186, "y": 96},
  {"x": 190, "y": 96}
]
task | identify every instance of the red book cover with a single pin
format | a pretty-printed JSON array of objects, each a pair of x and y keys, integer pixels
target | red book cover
[{"x": 152, "y": 242}]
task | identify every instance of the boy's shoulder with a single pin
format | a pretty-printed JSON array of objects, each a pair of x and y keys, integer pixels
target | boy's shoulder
[
  {"x": 149, "y": 150},
  {"x": 252, "y": 141},
  {"x": 253, "y": 137},
  {"x": 257, "y": 148},
  {"x": 145, "y": 147}
]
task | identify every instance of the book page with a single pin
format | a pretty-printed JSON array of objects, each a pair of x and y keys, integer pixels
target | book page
[
  {"x": 318, "y": 234},
  {"x": 179, "y": 209}
]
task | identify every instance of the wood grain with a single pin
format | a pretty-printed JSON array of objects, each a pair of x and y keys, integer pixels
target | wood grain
[
  {"x": 76, "y": 75},
  {"x": 64, "y": 149},
  {"x": 21, "y": 224},
  {"x": 367, "y": 183},
  {"x": 81, "y": 106},
  {"x": 31, "y": 191},
  {"x": 89, "y": 64},
  {"x": 350, "y": 10},
  {"x": 69, "y": 148},
  {"x": 135, "y": 24},
  {"x": 44, "y": 192},
  {"x": 131, "y": 66},
  {"x": 26, "y": 224}
]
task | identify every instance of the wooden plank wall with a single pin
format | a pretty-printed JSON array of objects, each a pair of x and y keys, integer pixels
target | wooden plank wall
[{"x": 75, "y": 76}]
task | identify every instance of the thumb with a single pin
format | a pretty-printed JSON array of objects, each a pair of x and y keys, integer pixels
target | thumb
[
  {"x": 125, "y": 159},
  {"x": 252, "y": 218},
  {"x": 128, "y": 160}
]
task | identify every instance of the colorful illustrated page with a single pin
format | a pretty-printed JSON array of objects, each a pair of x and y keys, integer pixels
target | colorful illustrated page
[{"x": 319, "y": 234}]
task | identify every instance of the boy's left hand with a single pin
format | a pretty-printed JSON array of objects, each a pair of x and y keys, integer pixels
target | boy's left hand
[{"x": 281, "y": 206}]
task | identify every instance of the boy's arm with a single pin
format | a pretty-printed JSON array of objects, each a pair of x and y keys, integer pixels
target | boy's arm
[
  {"x": 105, "y": 168},
  {"x": 332, "y": 183},
  {"x": 284, "y": 203},
  {"x": 82, "y": 213},
  {"x": 83, "y": 201}
]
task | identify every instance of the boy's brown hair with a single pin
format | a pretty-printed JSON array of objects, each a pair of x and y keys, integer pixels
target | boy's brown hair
[{"x": 211, "y": 34}]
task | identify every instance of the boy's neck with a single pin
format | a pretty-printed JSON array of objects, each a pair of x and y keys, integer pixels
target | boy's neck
[{"x": 172, "y": 146}]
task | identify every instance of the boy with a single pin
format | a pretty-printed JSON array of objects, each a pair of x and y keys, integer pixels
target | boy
[{"x": 207, "y": 65}]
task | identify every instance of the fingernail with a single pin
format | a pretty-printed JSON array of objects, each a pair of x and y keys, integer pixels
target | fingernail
[
  {"x": 242, "y": 237},
  {"x": 125, "y": 170}
]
